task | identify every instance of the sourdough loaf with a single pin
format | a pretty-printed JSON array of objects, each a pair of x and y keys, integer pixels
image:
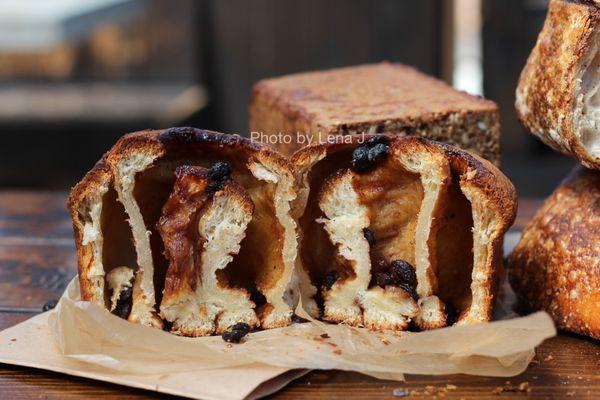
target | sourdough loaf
[
  {"x": 556, "y": 265},
  {"x": 559, "y": 89}
]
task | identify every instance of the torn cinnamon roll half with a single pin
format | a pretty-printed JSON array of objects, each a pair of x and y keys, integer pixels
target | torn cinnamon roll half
[
  {"x": 202, "y": 225},
  {"x": 204, "y": 217},
  {"x": 398, "y": 230}
]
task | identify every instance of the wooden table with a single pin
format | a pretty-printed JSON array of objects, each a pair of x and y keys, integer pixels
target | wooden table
[{"x": 37, "y": 261}]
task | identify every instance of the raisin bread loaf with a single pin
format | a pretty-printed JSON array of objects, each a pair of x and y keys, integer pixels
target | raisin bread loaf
[
  {"x": 201, "y": 215},
  {"x": 399, "y": 230}
]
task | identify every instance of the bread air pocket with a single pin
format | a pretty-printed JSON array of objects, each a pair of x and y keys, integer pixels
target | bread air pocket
[
  {"x": 398, "y": 231},
  {"x": 207, "y": 219}
]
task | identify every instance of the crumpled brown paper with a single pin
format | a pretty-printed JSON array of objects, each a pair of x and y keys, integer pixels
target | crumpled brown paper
[
  {"x": 82, "y": 339},
  {"x": 31, "y": 344},
  {"x": 86, "y": 332}
]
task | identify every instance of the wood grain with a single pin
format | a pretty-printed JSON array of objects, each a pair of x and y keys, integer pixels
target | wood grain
[{"x": 37, "y": 261}]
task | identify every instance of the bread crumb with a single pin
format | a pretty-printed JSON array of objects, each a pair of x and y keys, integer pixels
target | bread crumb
[
  {"x": 524, "y": 387},
  {"x": 549, "y": 358},
  {"x": 400, "y": 392}
]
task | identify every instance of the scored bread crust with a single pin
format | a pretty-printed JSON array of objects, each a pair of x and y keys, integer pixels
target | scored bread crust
[
  {"x": 141, "y": 151},
  {"x": 556, "y": 265},
  {"x": 550, "y": 97},
  {"x": 490, "y": 193}
]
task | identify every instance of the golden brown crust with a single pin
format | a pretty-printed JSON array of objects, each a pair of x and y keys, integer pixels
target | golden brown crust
[
  {"x": 556, "y": 265},
  {"x": 497, "y": 188},
  {"x": 491, "y": 192},
  {"x": 548, "y": 87},
  {"x": 97, "y": 180},
  {"x": 377, "y": 98}
]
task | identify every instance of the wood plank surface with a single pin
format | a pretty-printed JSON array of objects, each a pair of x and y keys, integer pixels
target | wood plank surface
[{"x": 37, "y": 261}]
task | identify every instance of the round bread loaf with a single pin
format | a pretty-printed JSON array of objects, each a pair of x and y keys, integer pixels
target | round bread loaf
[{"x": 556, "y": 265}]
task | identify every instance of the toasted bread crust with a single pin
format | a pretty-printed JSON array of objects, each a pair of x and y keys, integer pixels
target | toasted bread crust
[
  {"x": 548, "y": 87},
  {"x": 377, "y": 98},
  {"x": 96, "y": 181},
  {"x": 556, "y": 265},
  {"x": 491, "y": 194}
]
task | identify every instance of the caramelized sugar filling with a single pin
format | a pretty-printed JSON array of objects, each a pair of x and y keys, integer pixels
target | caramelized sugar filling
[
  {"x": 117, "y": 249},
  {"x": 319, "y": 255},
  {"x": 454, "y": 250},
  {"x": 258, "y": 260},
  {"x": 393, "y": 198}
]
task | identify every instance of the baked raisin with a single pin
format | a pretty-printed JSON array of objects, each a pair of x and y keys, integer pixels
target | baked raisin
[
  {"x": 451, "y": 315},
  {"x": 214, "y": 186},
  {"x": 50, "y": 304},
  {"x": 410, "y": 290},
  {"x": 384, "y": 279},
  {"x": 220, "y": 171},
  {"x": 377, "y": 140},
  {"x": 330, "y": 278},
  {"x": 368, "y": 234},
  {"x": 377, "y": 152},
  {"x": 405, "y": 273},
  {"x": 360, "y": 159},
  {"x": 298, "y": 319},
  {"x": 123, "y": 307},
  {"x": 236, "y": 332}
]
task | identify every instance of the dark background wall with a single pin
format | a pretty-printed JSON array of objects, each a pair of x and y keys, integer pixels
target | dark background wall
[{"x": 216, "y": 50}]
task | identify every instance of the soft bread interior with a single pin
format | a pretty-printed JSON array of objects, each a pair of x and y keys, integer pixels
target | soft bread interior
[
  {"x": 143, "y": 301},
  {"x": 350, "y": 300},
  {"x": 202, "y": 232},
  {"x": 416, "y": 211},
  {"x": 265, "y": 262},
  {"x": 108, "y": 240},
  {"x": 587, "y": 103}
]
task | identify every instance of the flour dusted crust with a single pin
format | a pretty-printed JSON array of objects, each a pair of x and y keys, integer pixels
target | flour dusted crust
[
  {"x": 373, "y": 98},
  {"x": 434, "y": 206},
  {"x": 556, "y": 265},
  {"x": 558, "y": 91},
  {"x": 124, "y": 196}
]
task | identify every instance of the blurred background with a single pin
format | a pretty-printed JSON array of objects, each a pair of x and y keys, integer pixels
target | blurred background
[{"x": 75, "y": 75}]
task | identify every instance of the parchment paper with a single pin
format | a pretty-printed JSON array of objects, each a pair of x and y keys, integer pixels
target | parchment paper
[
  {"x": 31, "y": 344},
  {"x": 82, "y": 339}
]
